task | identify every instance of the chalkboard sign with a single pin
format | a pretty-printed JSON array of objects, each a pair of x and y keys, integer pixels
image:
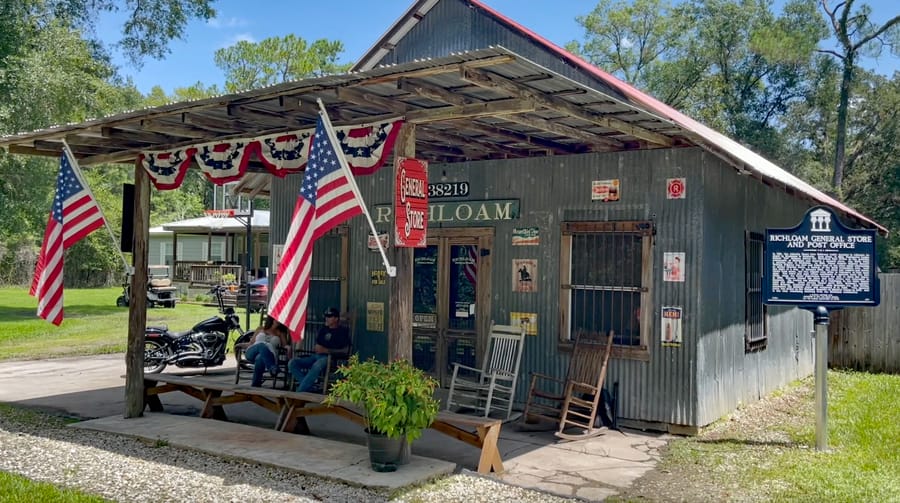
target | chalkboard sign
[{"x": 820, "y": 262}]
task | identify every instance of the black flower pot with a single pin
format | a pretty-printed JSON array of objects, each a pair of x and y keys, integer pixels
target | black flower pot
[{"x": 385, "y": 453}]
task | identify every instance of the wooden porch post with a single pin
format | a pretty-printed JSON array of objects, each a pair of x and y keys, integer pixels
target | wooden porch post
[
  {"x": 137, "y": 313},
  {"x": 400, "y": 336}
]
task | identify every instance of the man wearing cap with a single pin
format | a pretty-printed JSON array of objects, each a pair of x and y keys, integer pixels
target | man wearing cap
[{"x": 333, "y": 338}]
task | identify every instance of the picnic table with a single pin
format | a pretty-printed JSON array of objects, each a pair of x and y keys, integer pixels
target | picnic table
[{"x": 292, "y": 408}]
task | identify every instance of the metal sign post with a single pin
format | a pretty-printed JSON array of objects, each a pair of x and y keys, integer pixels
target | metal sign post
[{"x": 821, "y": 265}]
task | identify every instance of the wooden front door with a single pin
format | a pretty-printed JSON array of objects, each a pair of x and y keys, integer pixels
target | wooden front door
[{"x": 451, "y": 299}]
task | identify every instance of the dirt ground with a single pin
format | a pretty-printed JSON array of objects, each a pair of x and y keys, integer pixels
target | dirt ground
[{"x": 756, "y": 428}]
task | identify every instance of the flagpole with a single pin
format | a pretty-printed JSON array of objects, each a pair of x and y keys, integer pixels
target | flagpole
[
  {"x": 77, "y": 170},
  {"x": 391, "y": 270}
]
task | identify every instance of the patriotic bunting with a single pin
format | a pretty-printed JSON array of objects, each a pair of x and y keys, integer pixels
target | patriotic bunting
[
  {"x": 223, "y": 162},
  {"x": 283, "y": 153},
  {"x": 366, "y": 147},
  {"x": 167, "y": 169}
]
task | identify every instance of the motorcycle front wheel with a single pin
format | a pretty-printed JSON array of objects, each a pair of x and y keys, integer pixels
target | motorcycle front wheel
[{"x": 155, "y": 356}]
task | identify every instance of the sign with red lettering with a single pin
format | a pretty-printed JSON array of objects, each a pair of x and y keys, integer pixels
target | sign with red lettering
[{"x": 410, "y": 202}]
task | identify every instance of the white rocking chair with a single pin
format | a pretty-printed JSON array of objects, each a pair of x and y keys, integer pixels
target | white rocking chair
[{"x": 492, "y": 387}]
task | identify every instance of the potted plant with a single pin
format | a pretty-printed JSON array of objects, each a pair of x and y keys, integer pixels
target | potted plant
[{"x": 398, "y": 404}]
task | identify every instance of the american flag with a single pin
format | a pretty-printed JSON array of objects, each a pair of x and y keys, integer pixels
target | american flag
[
  {"x": 470, "y": 269},
  {"x": 326, "y": 200},
  {"x": 74, "y": 215}
]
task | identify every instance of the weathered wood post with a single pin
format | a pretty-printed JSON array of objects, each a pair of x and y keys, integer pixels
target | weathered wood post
[
  {"x": 400, "y": 335},
  {"x": 137, "y": 312}
]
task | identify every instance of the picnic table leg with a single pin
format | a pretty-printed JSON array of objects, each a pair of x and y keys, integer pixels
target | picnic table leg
[
  {"x": 152, "y": 401},
  {"x": 490, "y": 454},
  {"x": 289, "y": 421},
  {"x": 211, "y": 410}
]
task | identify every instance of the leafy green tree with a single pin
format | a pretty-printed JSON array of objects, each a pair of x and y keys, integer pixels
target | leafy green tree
[
  {"x": 733, "y": 64},
  {"x": 857, "y": 35},
  {"x": 249, "y": 65}
]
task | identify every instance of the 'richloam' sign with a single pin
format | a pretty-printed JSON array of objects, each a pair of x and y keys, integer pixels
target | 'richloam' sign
[{"x": 820, "y": 262}]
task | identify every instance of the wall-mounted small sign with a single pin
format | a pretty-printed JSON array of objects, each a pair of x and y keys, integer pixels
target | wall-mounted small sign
[
  {"x": 424, "y": 320},
  {"x": 605, "y": 190},
  {"x": 529, "y": 320},
  {"x": 375, "y": 316},
  {"x": 524, "y": 275},
  {"x": 673, "y": 266},
  {"x": 383, "y": 237},
  {"x": 379, "y": 277},
  {"x": 448, "y": 189},
  {"x": 675, "y": 188},
  {"x": 411, "y": 203},
  {"x": 671, "y": 326},
  {"x": 526, "y": 236}
]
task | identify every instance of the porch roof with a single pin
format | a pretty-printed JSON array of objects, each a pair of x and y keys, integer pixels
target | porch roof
[{"x": 484, "y": 104}]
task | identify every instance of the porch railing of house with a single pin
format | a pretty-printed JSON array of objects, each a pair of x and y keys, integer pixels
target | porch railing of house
[{"x": 203, "y": 274}]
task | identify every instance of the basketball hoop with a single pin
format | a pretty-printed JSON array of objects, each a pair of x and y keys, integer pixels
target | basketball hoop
[{"x": 217, "y": 217}]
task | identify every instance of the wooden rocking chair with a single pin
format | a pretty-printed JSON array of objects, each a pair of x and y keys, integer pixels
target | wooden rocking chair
[
  {"x": 582, "y": 389},
  {"x": 492, "y": 387}
]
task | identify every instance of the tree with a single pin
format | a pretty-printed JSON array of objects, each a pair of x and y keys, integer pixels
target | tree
[
  {"x": 148, "y": 28},
  {"x": 732, "y": 64},
  {"x": 275, "y": 60},
  {"x": 857, "y": 35}
]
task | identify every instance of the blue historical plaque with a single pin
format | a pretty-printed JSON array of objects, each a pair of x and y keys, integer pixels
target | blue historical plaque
[{"x": 820, "y": 262}]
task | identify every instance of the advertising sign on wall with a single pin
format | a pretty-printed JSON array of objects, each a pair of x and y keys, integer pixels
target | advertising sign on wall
[{"x": 411, "y": 203}]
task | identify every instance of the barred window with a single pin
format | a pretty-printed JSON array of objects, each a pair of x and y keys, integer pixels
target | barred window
[
  {"x": 756, "y": 330},
  {"x": 605, "y": 274}
]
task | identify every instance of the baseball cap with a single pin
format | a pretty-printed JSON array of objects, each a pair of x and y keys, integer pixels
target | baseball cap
[{"x": 332, "y": 312}]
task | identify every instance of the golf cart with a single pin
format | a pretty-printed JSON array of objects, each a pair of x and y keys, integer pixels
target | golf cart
[{"x": 160, "y": 290}]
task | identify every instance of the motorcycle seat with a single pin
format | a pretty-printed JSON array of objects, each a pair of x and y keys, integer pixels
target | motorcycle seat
[{"x": 178, "y": 335}]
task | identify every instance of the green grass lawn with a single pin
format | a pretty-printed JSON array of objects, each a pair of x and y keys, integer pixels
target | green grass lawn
[
  {"x": 93, "y": 324},
  {"x": 15, "y": 489},
  {"x": 862, "y": 463}
]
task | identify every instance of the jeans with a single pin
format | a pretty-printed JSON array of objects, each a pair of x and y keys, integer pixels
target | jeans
[
  {"x": 306, "y": 369},
  {"x": 263, "y": 360}
]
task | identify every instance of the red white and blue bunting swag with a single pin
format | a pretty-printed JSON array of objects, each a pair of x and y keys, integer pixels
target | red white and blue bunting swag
[{"x": 366, "y": 147}]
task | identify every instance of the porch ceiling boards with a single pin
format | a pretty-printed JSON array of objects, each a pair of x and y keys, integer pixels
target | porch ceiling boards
[{"x": 484, "y": 104}]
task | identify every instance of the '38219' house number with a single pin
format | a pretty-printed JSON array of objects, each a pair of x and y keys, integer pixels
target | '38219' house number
[{"x": 448, "y": 189}]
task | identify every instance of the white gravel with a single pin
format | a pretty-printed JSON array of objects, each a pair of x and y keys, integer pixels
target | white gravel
[{"x": 40, "y": 447}]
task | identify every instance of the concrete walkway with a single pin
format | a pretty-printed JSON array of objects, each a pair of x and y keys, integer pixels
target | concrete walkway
[{"x": 92, "y": 387}]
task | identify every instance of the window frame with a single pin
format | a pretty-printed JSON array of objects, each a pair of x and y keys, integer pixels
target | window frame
[
  {"x": 643, "y": 228},
  {"x": 754, "y": 254}
]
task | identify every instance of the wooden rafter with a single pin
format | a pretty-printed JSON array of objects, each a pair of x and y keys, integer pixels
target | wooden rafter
[{"x": 488, "y": 80}]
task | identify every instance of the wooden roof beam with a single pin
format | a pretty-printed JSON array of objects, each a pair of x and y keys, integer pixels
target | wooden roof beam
[
  {"x": 568, "y": 131},
  {"x": 193, "y": 133},
  {"x": 554, "y": 146},
  {"x": 139, "y": 136},
  {"x": 488, "y": 80},
  {"x": 433, "y": 92},
  {"x": 482, "y": 144},
  {"x": 499, "y": 108},
  {"x": 355, "y": 95}
]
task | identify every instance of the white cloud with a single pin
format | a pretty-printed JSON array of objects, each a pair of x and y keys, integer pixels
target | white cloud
[
  {"x": 230, "y": 22},
  {"x": 246, "y": 37}
]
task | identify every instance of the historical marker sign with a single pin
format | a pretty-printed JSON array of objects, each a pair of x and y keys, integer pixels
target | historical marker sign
[{"x": 820, "y": 262}]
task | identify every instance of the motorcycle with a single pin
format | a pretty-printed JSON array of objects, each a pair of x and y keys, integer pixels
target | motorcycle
[{"x": 201, "y": 346}]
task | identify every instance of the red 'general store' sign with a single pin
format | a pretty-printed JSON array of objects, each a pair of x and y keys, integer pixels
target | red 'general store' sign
[{"x": 411, "y": 203}]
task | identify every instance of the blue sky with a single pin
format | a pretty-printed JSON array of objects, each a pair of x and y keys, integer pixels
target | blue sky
[{"x": 358, "y": 24}]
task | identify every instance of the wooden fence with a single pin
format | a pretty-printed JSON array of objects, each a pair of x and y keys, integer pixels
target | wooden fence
[{"x": 868, "y": 338}]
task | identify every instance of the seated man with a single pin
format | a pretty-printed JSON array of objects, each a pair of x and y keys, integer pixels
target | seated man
[{"x": 331, "y": 339}]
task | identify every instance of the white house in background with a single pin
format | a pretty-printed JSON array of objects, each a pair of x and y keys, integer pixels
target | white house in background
[{"x": 208, "y": 240}]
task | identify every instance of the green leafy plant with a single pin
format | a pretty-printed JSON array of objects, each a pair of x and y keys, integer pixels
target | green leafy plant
[{"x": 397, "y": 398}]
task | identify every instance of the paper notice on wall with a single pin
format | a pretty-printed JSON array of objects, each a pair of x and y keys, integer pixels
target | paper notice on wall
[
  {"x": 375, "y": 316},
  {"x": 524, "y": 277},
  {"x": 671, "y": 326},
  {"x": 528, "y": 320},
  {"x": 673, "y": 266}
]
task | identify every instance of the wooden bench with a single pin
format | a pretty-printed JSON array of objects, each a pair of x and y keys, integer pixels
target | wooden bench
[{"x": 292, "y": 409}]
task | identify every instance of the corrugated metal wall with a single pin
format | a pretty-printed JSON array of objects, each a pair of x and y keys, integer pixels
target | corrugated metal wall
[
  {"x": 556, "y": 189},
  {"x": 726, "y": 374},
  {"x": 868, "y": 338}
]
